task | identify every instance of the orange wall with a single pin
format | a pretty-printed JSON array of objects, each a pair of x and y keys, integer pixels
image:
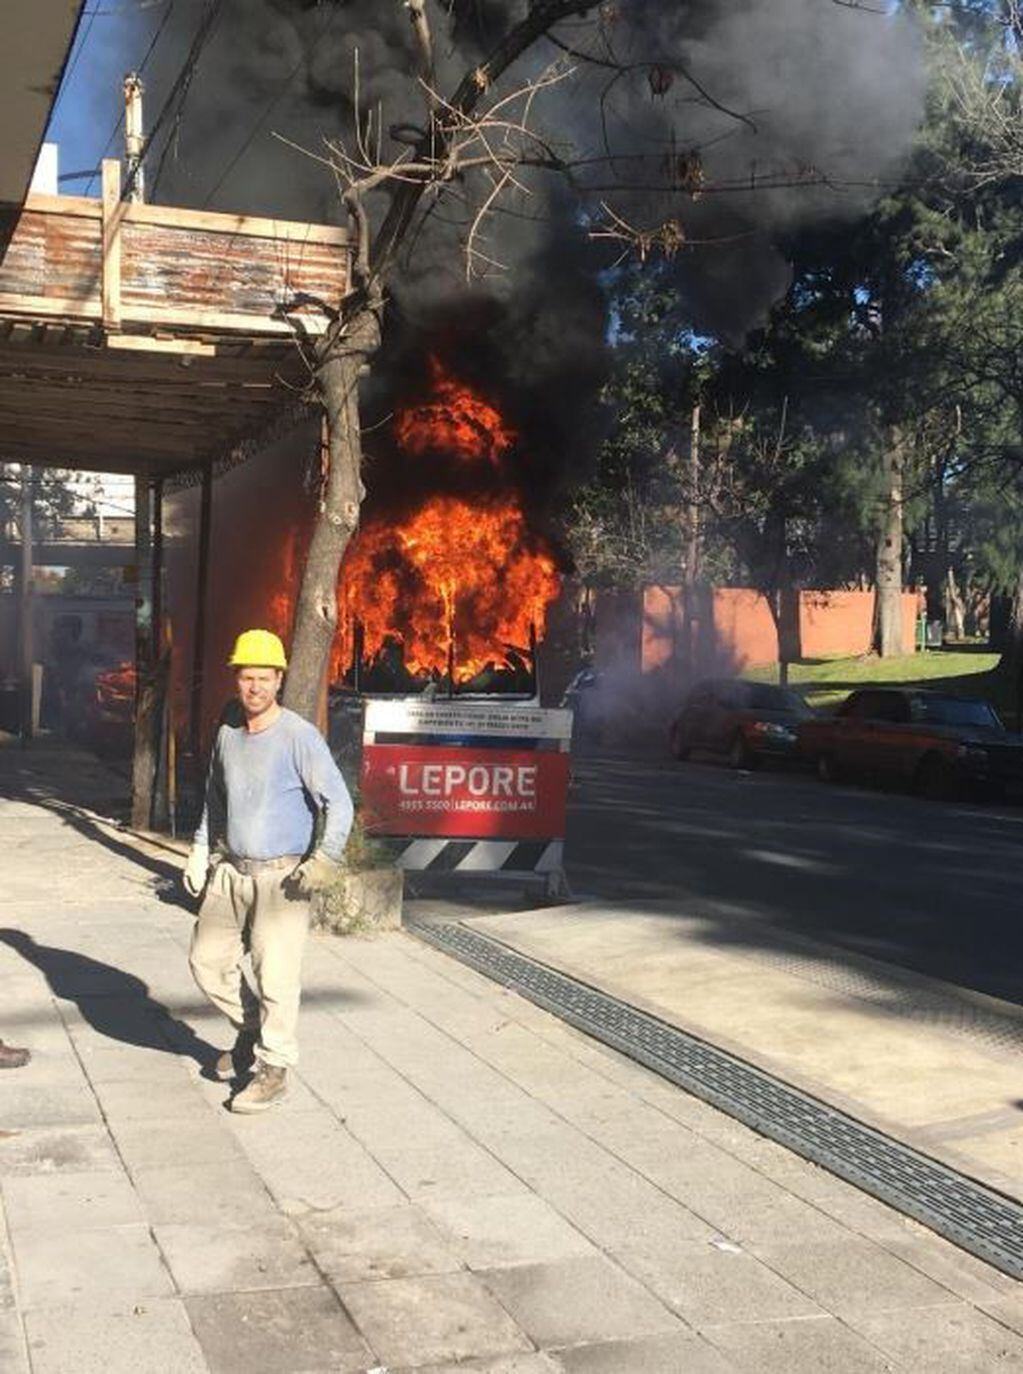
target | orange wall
[
  {"x": 831, "y": 623},
  {"x": 743, "y": 623}
]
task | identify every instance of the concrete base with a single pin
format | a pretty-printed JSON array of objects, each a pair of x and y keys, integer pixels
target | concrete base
[{"x": 362, "y": 903}]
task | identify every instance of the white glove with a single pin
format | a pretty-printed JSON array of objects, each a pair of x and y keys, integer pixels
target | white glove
[{"x": 196, "y": 869}]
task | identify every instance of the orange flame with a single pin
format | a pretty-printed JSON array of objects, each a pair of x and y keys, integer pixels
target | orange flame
[
  {"x": 454, "y": 577},
  {"x": 453, "y": 420}
]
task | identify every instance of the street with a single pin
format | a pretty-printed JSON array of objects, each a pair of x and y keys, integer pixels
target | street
[{"x": 934, "y": 887}]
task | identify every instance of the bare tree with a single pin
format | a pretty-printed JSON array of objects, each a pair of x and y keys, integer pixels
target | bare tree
[{"x": 481, "y": 149}]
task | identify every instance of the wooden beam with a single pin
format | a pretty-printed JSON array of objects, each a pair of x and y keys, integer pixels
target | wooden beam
[
  {"x": 239, "y": 226},
  {"x": 212, "y": 221},
  {"x": 216, "y": 320},
  {"x": 112, "y": 215},
  {"x": 143, "y": 343}
]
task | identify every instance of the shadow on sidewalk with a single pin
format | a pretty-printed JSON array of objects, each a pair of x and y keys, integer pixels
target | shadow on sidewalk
[
  {"x": 89, "y": 797},
  {"x": 115, "y": 1004}
]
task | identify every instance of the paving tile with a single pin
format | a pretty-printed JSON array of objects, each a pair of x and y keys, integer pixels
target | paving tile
[
  {"x": 466, "y": 1170},
  {"x": 40, "y": 1203},
  {"x": 536, "y": 1363},
  {"x": 24, "y": 1105},
  {"x": 572, "y": 1301},
  {"x": 706, "y": 1284},
  {"x": 57, "y": 1149},
  {"x": 659, "y": 1355},
  {"x": 116, "y": 1265},
  {"x": 315, "y": 1166},
  {"x": 214, "y": 1195},
  {"x": 957, "y": 1270},
  {"x": 162, "y": 1142},
  {"x": 151, "y": 1337},
  {"x": 135, "y": 1100},
  {"x": 212, "y": 1259},
  {"x": 13, "y": 1355},
  {"x": 291, "y": 1331},
  {"x": 428, "y": 1320},
  {"x": 852, "y": 1276},
  {"x": 1007, "y": 1309},
  {"x": 822, "y": 1345},
  {"x": 355, "y": 1246},
  {"x": 494, "y": 1232},
  {"x": 955, "y": 1339}
]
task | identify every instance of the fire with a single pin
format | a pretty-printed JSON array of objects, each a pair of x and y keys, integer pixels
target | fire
[
  {"x": 453, "y": 579},
  {"x": 453, "y": 420}
]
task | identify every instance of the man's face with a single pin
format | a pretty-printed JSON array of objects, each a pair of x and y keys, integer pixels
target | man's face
[{"x": 257, "y": 689}]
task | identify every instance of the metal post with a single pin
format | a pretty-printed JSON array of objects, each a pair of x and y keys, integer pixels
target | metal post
[
  {"x": 198, "y": 647},
  {"x": 146, "y": 720},
  {"x": 134, "y": 138},
  {"x": 26, "y": 607},
  {"x": 158, "y": 567}
]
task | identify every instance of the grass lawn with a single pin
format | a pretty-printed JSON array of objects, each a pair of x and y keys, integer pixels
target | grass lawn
[{"x": 966, "y": 671}]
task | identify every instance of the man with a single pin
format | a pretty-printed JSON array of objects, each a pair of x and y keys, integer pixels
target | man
[{"x": 277, "y": 814}]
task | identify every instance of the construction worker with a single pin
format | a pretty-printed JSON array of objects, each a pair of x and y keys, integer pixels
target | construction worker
[{"x": 274, "y": 826}]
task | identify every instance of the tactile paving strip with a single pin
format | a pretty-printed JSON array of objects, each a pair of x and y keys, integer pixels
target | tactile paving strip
[{"x": 973, "y": 1216}]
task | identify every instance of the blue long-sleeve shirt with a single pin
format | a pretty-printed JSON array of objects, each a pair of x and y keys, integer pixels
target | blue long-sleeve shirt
[{"x": 265, "y": 791}]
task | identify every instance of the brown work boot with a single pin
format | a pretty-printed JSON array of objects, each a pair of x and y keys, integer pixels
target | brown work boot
[
  {"x": 237, "y": 1061},
  {"x": 12, "y": 1058},
  {"x": 269, "y": 1086}
]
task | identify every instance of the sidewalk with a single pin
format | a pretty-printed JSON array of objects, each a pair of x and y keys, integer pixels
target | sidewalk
[
  {"x": 938, "y": 1067},
  {"x": 459, "y": 1181}
]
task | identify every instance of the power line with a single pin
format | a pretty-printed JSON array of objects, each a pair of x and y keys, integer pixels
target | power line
[
  {"x": 179, "y": 91},
  {"x": 328, "y": 20},
  {"x": 140, "y": 69},
  {"x": 66, "y": 82}
]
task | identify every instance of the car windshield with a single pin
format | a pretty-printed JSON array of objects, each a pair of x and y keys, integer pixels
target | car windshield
[
  {"x": 954, "y": 711},
  {"x": 761, "y": 697}
]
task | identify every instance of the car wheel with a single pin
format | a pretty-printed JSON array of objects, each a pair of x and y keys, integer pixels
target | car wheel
[
  {"x": 828, "y": 769},
  {"x": 740, "y": 755},
  {"x": 679, "y": 748},
  {"x": 934, "y": 779}
]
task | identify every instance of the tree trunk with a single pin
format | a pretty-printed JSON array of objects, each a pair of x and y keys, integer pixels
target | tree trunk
[
  {"x": 955, "y": 607},
  {"x": 1011, "y": 663},
  {"x": 337, "y": 378},
  {"x": 888, "y": 604}
]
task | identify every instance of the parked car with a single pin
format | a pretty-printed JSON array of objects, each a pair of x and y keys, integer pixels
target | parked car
[
  {"x": 937, "y": 744},
  {"x": 745, "y": 721}
]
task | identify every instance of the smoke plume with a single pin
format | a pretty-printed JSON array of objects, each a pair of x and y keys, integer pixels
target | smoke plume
[{"x": 730, "y": 121}]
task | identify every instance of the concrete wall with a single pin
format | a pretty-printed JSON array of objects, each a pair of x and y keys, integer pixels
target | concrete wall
[{"x": 735, "y": 628}]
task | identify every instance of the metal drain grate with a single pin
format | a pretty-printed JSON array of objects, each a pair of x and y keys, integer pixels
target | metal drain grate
[{"x": 971, "y": 1215}]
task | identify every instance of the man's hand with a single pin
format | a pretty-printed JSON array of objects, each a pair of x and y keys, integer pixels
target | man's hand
[
  {"x": 196, "y": 869},
  {"x": 314, "y": 874}
]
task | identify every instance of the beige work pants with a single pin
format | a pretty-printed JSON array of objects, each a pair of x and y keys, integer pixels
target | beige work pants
[{"x": 242, "y": 914}]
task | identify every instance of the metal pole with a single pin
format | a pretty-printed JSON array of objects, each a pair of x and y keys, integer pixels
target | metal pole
[
  {"x": 198, "y": 648},
  {"x": 134, "y": 138},
  {"x": 27, "y": 602},
  {"x": 157, "y": 567}
]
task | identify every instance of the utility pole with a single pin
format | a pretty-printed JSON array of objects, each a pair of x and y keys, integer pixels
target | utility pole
[{"x": 134, "y": 138}]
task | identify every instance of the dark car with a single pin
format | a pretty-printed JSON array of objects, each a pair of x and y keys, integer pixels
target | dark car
[
  {"x": 937, "y": 744},
  {"x": 584, "y": 698},
  {"x": 746, "y": 721}
]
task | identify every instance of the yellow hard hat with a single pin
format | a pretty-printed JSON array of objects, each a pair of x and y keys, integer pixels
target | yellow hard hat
[{"x": 258, "y": 649}]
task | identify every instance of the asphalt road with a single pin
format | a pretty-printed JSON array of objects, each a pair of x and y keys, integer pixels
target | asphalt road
[{"x": 936, "y": 887}]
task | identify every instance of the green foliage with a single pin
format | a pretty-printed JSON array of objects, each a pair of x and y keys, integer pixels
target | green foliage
[{"x": 903, "y": 329}]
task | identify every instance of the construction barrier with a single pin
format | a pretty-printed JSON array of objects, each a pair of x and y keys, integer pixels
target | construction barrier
[{"x": 468, "y": 787}]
